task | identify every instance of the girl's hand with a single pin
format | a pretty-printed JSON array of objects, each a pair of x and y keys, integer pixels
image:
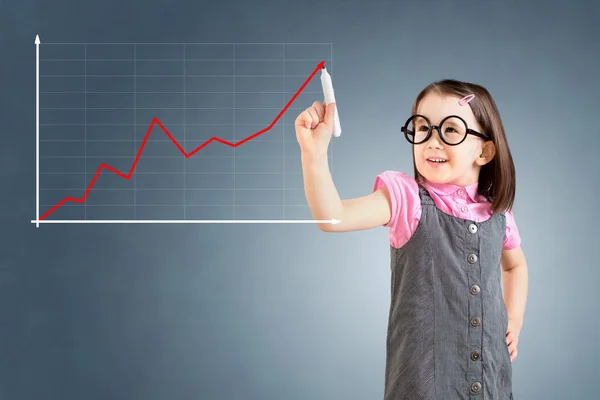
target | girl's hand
[
  {"x": 314, "y": 127},
  {"x": 512, "y": 339}
]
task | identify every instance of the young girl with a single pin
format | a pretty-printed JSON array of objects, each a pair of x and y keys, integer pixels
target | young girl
[{"x": 458, "y": 275}]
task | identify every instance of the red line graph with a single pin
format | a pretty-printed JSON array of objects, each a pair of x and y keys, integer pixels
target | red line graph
[{"x": 186, "y": 155}]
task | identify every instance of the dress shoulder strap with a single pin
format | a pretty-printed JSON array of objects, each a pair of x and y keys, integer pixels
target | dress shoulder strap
[{"x": 424, "y": 196}]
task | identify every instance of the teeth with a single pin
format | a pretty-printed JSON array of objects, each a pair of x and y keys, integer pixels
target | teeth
[{"x": 437, "y": 159}]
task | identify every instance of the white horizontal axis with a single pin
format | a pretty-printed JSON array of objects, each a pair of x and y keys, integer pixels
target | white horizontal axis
[{"x": 197, "y": 221}]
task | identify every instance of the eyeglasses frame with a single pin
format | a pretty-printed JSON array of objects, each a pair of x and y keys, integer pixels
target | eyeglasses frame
[{"x": 470, "y": 131}]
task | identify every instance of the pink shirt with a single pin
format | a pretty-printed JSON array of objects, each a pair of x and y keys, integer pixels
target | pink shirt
[{"x": 454, "y": 200}]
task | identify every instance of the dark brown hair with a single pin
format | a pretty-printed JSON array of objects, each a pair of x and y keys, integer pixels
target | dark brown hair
[{"x": 497, "y": 180}]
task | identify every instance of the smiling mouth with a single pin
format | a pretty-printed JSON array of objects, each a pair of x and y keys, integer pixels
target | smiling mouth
[{"x": 437, "y": 160}]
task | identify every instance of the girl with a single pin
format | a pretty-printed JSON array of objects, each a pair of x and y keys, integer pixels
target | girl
[{"x": 458, "y": 275}]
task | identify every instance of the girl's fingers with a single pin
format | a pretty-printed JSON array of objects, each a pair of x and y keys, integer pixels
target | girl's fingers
[
  {"x": 513, "y": 354},
  {"x": 512, "y": 349},
  {"x": 314, "y": 116},
  {"x": 320, "y": 109},
  {"x": 509, "y": 337}
]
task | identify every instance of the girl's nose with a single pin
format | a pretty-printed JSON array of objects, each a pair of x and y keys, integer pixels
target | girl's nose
[{"x": 434, "y": 141}]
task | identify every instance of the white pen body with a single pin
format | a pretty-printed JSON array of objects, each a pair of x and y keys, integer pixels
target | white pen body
[{"x": 329, "y": 98}]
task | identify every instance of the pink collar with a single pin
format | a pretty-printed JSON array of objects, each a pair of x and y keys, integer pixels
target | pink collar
[{"x": 445, "y": 189}]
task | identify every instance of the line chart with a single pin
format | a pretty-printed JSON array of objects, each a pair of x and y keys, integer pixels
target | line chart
[{"x": 156, "y": 123}]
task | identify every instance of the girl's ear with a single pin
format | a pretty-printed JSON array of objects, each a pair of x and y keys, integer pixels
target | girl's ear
[{"x": 488, "y": 151}]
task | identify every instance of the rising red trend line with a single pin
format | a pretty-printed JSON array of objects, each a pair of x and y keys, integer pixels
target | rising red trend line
[{"x": 187, "y": 155}]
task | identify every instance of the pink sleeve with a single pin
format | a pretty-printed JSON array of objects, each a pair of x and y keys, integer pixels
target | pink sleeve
[
  {"x": 512, "y": 239},
  {"x": 405, "y": 202}
]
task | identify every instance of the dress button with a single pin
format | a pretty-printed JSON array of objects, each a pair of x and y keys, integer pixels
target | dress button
[
  {"x": 464, "y": 209},
  {"x": 472, "y": 228},
  {"x": 475, "y": 321},
  {"x": 476, "y": 387},
  {"x": 475, "y": 355},
  {"x": 472, "y": 258},
  {"x": 475, "y": 289},
  {"x": 461, "y": 192}
]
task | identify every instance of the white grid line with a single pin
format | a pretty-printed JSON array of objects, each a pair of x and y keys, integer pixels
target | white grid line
[
  {"x": 177, "y": 43},
  {"x": 167, "y": 108},
  {"x": 135, "y": 125},
  {"x": 177, "y": 205},
  {"x": 184, "y": 134},
  {"x": 149, "y": 140},
  {"x": 177, "y": 189},
  {"x": 147, "y": 125},
  {"x": 170, "y": 76},
  {"x": 283, "y": 134},
  {"x": 178, "y": 173},
  {"x": 177, "y": 157},
  {"x": 234, "y": 108},
  {"x": 156, "y": 92},
  {"x": 330, "y": 146},
  {"x": 179, "y": 59},
  {"x": 85, "y": 183}
]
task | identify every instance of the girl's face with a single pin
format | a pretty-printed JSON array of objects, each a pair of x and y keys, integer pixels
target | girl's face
[{"x": 462, "y": 162}]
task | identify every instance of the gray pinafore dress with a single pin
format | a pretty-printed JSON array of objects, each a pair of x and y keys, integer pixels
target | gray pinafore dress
[{"x": 446, "y": 336}]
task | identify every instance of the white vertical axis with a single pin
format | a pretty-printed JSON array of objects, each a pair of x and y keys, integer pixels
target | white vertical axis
[
  {"x": 85, "y": 183},
  {"x": 234, "y": 130},
  {"x": 37, "y": 131},
  {"x": 184, "y": 137},
  {"x": 134, "y": 123},
  {"x": 283, "y": 95}
]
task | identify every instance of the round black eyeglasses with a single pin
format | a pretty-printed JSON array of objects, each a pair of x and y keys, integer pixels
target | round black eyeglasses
[{"x": 453, "y": 130}]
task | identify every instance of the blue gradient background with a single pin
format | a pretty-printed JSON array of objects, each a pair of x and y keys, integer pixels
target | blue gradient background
[{"x": 286, "y": 311}]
